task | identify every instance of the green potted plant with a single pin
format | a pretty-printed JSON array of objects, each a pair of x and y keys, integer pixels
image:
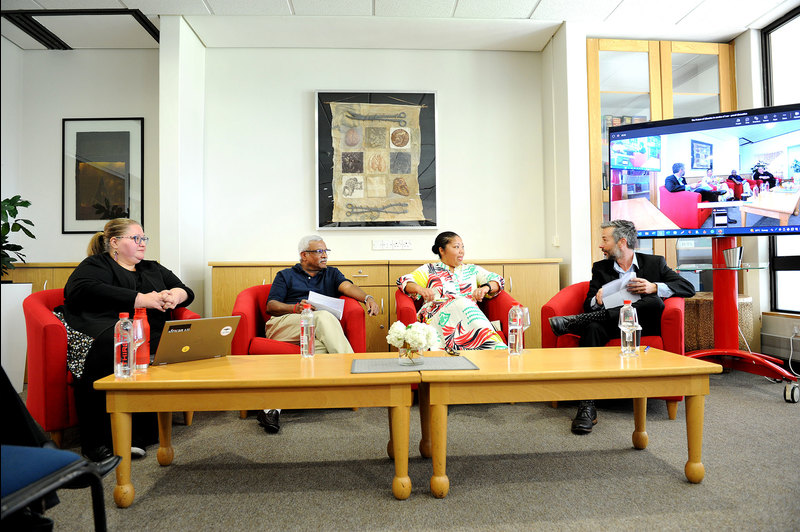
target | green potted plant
[{"x": 12, "y": 224}]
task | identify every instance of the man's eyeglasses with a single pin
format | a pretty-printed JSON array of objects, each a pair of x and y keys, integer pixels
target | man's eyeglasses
[
  {"x": 317, "y": 251},
  {"x": 139, "y": 239}
]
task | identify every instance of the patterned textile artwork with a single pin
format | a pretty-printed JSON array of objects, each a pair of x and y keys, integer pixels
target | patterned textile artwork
[{"x": 376, "y": 152}]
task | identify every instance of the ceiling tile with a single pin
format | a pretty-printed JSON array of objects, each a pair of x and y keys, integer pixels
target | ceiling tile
[
  {"x": 735, "y": 13},
  {"x": 632, "y": 11},
  {"x": 172, "y": 7},
  {"x": 81, "y": 4},
  {"x": 250, "y": 7},
  {"x": 99, "y": 31},
  {"x": 19, "y": 37},
  {"x": 491, "y": 9},
  {"x": 326, "y": 8},
  {"x": 415, "y": 8},
  {"x": 13, "y": 5},
  {"x": 575, "y": 10}
]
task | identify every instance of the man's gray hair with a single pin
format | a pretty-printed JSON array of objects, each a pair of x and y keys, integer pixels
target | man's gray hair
[
  {"x": 677, "y": 167},
  {"x": 306, "y": 240},
  {"x": 623, "y": 229}
]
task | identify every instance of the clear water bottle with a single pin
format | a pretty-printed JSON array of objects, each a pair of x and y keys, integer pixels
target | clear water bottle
[
  {"x": 515, "y": 330},
  {"x": 307, "y": 331},
  {"x": 764, "y": 187},
  {"x": 141, "y": 339},
  {"x": 629, "y": 330},
  {"x": 123, "y": 346}
]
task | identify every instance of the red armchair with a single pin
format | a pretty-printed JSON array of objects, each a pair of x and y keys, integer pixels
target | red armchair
[
  {"x": 681, "y": 208},
  {"x": 496, "y": 309},
  {"x": 50, "y": 399},
  {"x": 251, "y": 305},
  {"x": 569, "y": 301}
]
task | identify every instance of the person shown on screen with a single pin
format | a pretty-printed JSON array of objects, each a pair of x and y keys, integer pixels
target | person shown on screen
[
  {"x": 709, "y": 182},
  {"x": 287, "y": 297},
  {"x": 677, "y": 183},
  {"x": 735, "y": 176},
  {"x": 114, "y": 278},
  {"x": 450, "y": 290},
  {"x": 654, "y": 280},
  {"x": 763, "y": 174}
]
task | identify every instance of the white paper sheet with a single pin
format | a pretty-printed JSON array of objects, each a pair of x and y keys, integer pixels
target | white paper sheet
[
  {"x": 333, "y": 305},
  {"x": 616, "y": 291}
]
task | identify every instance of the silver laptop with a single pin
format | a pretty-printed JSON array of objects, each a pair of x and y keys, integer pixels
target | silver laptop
[{"x": 185, "y": 340}]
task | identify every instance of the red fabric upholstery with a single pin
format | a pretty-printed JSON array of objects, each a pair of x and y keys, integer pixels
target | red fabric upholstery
[
  {"x": 50, "y": 399},
  {"x": 569, "y": 301},
  {"x": 681, "y": 208},
  {"x": 495, "y": 308},
  {"x": 251, "y": 305},
  {"x": 737, "y": 188}
]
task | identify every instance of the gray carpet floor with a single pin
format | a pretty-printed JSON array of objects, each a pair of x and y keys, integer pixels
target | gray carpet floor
[{"x": 511, "y": 467}]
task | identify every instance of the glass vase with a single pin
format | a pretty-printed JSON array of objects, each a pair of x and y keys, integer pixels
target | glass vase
[{"x": 409, "y": 357}]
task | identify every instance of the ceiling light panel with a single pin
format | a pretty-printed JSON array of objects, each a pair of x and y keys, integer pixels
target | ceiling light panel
[
  {"x": 172, "y": 7},
  {"x": 415, "y": 8},
  {"x": 483, "y": 9},
  {"x": 99, "y": 31},
  {"x": 250, "y": 7},
  {"x": 326, "y": 8}
]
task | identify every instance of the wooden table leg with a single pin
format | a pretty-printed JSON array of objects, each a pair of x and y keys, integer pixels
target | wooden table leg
[
  {"x": 424, "y": 393},
  {"x": 695, "y": 405},
  {"x": 640, "y": 439},
  {"x": 440, "y": 484},
  {"x": 121, "y": 437},
  {"x": 390, "y": 445},
  {"x": 400, "y": 418},
  {"x": 165, "y": 451}
]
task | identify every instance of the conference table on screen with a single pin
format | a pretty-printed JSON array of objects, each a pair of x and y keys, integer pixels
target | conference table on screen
[{"x": 326, "y": 381}]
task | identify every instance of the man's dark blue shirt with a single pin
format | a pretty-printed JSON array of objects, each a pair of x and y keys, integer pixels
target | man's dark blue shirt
[{"x": 293, "y": 284}]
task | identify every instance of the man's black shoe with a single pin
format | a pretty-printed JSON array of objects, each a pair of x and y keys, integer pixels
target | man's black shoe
[
  {"x": 98, "y": 454},
  {"x": 270, "y": 420},
  {"x": 585, "y": 419},
  {"x": 559, "y": 325}
]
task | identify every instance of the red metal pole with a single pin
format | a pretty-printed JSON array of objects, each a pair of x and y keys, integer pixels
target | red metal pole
[{"x": 726, "y": 297}]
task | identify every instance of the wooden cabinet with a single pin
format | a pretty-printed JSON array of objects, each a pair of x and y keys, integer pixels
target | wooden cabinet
[
  {"x": 43, "y": 275},
  {"x": 532, "y": 282}
]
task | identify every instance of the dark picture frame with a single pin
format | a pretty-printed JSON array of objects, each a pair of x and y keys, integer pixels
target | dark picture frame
[
  {"x": 702, "y": 153},
  {"x": 102, "y": 172},
  {"x": 324, "y": 149}
]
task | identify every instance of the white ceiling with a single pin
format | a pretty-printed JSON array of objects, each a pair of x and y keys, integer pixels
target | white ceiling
[{"x": 405, "y": 24}]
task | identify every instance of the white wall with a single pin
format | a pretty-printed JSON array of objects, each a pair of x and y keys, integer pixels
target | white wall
[
  {"x": 260, "y": 160},
  {"x": 71, "y": 84},
  {"x": 10, "y": 118}
]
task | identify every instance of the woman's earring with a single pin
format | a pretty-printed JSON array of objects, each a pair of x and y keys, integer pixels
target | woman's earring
[{"x": 116, "y": 256}]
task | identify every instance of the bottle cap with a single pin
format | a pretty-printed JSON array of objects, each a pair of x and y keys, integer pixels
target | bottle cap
[
  {"x": 123, "y": 315},
  {"x": 626, "y": 302},
  {"x": 306, "y": 305}
]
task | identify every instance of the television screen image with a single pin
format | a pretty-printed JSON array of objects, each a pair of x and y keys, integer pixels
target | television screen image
[
  {"x": 643, "y": 153},
  {"x": 734, "y": 173}
]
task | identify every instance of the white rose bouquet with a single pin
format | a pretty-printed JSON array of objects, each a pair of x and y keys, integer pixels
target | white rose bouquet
[{"x": 413, "y": 338}]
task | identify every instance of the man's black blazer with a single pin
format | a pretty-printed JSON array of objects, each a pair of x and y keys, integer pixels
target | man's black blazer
[
  {"x": 674, "y": 183},
  {"x": 651, "y": 267}
]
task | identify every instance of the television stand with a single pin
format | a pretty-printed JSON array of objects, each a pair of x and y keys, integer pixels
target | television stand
[{"x": 726, "y": 350}]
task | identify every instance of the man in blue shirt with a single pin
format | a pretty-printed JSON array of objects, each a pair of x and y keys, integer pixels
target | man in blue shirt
[{"x": 287, "y": 297}]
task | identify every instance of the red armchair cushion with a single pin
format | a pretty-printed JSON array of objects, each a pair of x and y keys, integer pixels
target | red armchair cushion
[
  {"x": 681, "y": 208},
  {"x": 249, "y": 339},
  {"x": 495, "y": 308}
]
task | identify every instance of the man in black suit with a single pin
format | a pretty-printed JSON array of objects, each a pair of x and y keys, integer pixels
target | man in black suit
[
  {"x": 677, "y": 183},
  {"x": 653, "y": 281}
]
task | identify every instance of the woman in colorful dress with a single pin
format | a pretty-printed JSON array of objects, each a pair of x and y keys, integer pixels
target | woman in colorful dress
[{"x": 451, "y": 291}]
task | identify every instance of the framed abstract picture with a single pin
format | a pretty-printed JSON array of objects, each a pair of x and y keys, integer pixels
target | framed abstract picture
[
  {"x": 102, "y": 167},
  {"x": 376, "y": 159},
  {"x": 701, "y": 155}
]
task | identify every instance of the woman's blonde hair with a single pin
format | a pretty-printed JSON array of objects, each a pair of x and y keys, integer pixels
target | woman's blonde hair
[{"x": 114, "y": 228}]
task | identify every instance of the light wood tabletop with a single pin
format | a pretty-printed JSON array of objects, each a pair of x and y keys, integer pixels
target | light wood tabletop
[
  {"x": 562, "y": 375},
  {"x": 773, "y": 204},
  {"x": 250, "y": 383}
]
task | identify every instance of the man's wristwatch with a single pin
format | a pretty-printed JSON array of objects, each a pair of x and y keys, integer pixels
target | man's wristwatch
[
  {"x": 367, "y": 297},
  {"x": 487, "y": 285}
]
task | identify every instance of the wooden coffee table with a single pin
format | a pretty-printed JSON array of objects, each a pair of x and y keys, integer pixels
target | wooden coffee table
[
  {"x": 564, "y": 375},
  {"x": 254, "y": 382},
  {"x": 772, "y": 204}
]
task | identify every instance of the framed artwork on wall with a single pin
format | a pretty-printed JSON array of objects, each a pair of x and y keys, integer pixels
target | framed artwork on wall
[
  {"x": 701, "y": 155},
  {"x": 376, "y": 160},
  {"x": 102, "y": 178}
]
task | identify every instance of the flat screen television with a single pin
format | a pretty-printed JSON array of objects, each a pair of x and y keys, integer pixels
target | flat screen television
[{"x": 711, "y": 148}]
